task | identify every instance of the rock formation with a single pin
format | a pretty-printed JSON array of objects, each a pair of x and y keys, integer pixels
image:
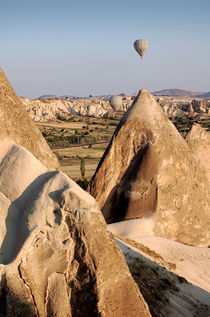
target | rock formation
[
  {"x": 57, "y": 256},
  {"x": 54, "y": 108},
  {"x": 190, "y": 108},
  {"x": 173, "y": 278},
  {"x": 148, "y": 171},
  {"x": 44, "y": 110},
  {"x": 16, "y": 124},
  {"x": 198, "y": 140},
  {"x": 198, "y": 106}
]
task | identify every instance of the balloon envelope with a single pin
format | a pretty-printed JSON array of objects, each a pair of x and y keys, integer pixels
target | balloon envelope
[
  {"x": 115, "y": 102},
  {"x": 141, "y": 46}
]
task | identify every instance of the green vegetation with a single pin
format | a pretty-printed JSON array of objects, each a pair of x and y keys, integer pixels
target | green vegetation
[
  {"x": 184, "y": 124},
  {"x": 61, "y": 118},
  {"x": 77, "y": 138},
  {"x": 78, "y": 131},
  {"x": 113, "y": 124},
  {"x": 65, "y": 141},
  {"x": 82, "y": 167},
  {"x": 83, "y": 183}
]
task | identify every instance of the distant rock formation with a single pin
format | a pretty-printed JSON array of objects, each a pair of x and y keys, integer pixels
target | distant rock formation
[
  {"x": 190, "y": 108},
  {"x": 57, "y": 256},
  {"x": 198, "y": 140},
  {"x": 16, "y": 124},
  {"x": 198, "y": 106},
  {"x": 52, "y": 109},
  {"x": 148, "y": 171}
]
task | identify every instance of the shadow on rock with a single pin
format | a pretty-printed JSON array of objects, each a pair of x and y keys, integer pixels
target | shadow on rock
[
  {"x": 136, "y": 194},
  {"x": 19, "y": 212}
]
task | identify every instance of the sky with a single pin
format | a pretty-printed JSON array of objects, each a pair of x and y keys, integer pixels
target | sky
[{"x": 86, "y": 47}]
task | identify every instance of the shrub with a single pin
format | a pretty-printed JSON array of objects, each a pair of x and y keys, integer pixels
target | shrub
[
  {"x": 61, "y": 118},
  {"x": 83, "y": 183},
  {"x": 82, "y": 167}
]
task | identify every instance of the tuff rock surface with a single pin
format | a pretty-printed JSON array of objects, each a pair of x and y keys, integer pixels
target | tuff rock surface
[
  {"x": 198, "y": 140},
  {"x": 57, "y": 256},
  {"x": 16, "y": 124},
  {"x": 52, "y": 109},
  {"x": 173, "y": 277},
  {"x": 148, "y": 172}
]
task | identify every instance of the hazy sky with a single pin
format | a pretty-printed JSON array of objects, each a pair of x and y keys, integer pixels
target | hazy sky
[{"x": 86, "y": 47}]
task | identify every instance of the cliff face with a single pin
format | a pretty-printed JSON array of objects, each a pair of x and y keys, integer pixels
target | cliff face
[
  {"x": 148, "y": 171},
  {"x": 51, "y": 109},
  {"x": 198, "y": 140},
  {"x": 57, "y": 256},
  {"x": 16, "y": 124}
]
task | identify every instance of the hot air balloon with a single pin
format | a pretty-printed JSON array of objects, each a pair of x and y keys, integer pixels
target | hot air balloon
[
  {"x": 141, "y": 46},
  {"x": 115, "y": 102}
]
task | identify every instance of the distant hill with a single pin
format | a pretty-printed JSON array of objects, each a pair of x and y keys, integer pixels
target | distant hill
[
  {"x": 55, "y": 96},
  {"x": 105, "y": 97},
  {"x": 68, "y": 97},
  {"x": 47, "y": 97},
  {"x": 206, "y": 95},
  {"x": 177, "y": 92}
]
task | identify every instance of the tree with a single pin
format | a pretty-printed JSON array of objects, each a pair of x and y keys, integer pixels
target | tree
[{"x": 82, "y": 167}]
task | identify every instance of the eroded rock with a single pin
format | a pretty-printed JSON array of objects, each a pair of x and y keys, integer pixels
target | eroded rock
[
  {"x": 16, "y": 124},
  {"x": 198, "y": 140},
  {"x": 148, "y": 171},
  {"x": 57, "y": 256}
]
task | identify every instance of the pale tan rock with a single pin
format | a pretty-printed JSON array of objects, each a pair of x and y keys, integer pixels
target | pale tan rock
[
  {"x": 148, "y": 171},
  {"x": 173, "y": 277},
  {"x": 198, "y": 140},
  {"x": 16, "y": 124},
  {"x": 51, "y": 109},
  {"x": 198, "y": 106},
  {"x": 57, "y": 256},
  {"x": 190, "y": 108}
]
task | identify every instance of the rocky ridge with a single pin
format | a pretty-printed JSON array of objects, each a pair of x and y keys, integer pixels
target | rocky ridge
[
  {"x": 148, "y": 172},
  {"x": 52, "y": 109},
  {"x": 57, "y": 256},
  {"x": 173, "y": 278},
  {"x": 198, "y": 140},
  {"x": 44, "y": 110},
  {"x": 16, "y": 124}
]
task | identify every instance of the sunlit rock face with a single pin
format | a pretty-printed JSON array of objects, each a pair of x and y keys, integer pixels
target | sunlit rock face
[
  {"x": 148, "y": 170},
  {"x": 57, "y": 256},
  {"x": 51, "y": 109},
  {"x": 198, "y": 140},
  {"x": 16, "y": 124},
  {"x": 199, "y": 106}
]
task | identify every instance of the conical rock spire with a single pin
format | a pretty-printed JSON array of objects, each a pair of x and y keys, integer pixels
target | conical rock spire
[{"x": 148, "y": 171}]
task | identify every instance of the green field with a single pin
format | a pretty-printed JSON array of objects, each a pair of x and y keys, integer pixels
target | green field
[{"x": 67, "y": 139}]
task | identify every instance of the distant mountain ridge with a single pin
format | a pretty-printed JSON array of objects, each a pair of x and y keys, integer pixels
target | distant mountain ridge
[
  {"x": 164, "y": 92},
  {"x": 205, "y": 95},
  {"x": 47, "y": 97},
  {"x": 105, "y": 97},
  {"x": 180, "y": 92}
]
